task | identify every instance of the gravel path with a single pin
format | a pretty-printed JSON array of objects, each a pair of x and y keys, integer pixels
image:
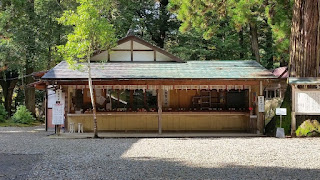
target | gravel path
[{"x": 28, "y": 153}]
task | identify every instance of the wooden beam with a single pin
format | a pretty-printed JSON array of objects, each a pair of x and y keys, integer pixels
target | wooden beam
[
  {"x": 161, "y": 81},
  {"x": 293, "y": 111},
  {"x": 160, "y": 94}
]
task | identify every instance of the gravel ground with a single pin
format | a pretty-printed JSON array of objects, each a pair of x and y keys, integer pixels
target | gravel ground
[{"x": 28, "y": 153}]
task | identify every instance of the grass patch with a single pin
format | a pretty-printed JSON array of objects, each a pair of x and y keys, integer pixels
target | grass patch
[{"x": 11, "y": 123}]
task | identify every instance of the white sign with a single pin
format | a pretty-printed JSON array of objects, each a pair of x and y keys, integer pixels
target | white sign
[
  {"x": 308, "y": 102},
  {"x": 281, "y": 111},
  {"x": 261, "y": 103},
  {"x": 58, "y": 114},
  {"x": 59, "y": 94},
  {"x": 52, "y": 98}
]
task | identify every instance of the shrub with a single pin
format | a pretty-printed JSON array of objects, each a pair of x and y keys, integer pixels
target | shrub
[
  {"x": 309, "y": 128},
  {"x": 3, "y": 113},
  {"x": 23, "y": 115}
]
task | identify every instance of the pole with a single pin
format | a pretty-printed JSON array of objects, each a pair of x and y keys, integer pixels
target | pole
[{"x": 280, "y": 120}]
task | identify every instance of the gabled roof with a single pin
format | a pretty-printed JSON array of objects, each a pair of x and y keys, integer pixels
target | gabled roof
[
  {"x": 235, "y": 69},
  {"x": 141, "y": 41},
  {"x": 133, "y": 48}
]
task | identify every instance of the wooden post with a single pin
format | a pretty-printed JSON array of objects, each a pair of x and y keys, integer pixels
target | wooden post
[
  {"x": 131, "y": 100},
  {"x": 261, "y": 122},
  {"x": 46, "y": 109},
  {"x": 293, "y": 112},
  {"x": 160, "y": 94}
]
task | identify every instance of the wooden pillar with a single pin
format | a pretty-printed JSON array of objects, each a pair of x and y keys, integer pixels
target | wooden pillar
[
  {"x": 145, "y": 100},
  {"x": 160, "y": 94},
  {"x": 131, "y": 100},
  {"x": 46, "y": 109},
  {"x": 293, "y": 111},
  {"x": 261, "y": 122}
]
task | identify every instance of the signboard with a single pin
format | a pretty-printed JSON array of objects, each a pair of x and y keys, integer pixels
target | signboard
[
  {"x": 307, "y": 102},
  {"x": 261, "y": 103},
  {"x": 52, "y": 98},
  {"x": 166, "y": 98},
  {"x": 58, "y": 114},
  {"x": 281, "y": 111},
  {"x": 58, "y": 95}
]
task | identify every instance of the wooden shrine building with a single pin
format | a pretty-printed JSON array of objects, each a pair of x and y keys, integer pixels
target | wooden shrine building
[{"x": 144, "y": 88}]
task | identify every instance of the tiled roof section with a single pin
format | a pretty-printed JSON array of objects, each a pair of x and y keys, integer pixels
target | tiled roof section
[
  {"x": 304, "y": 80},
  {"x": 281, "y": 71},
  {"x": 165, "y": 70}
]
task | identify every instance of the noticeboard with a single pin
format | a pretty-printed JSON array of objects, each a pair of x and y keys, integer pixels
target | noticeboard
[
  {"x": 58, "y": 114},
  {"x": 307, "y": 102}
]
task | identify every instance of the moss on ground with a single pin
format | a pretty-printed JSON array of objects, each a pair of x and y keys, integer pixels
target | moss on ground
[{"x": 11, "y": 123}]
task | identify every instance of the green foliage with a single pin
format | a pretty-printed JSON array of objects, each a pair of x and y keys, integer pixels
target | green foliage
[
  {"x": 3, "y": 113},
  {"x": 308, "y": 128},
  {"x": 92, "y": 30},
  {"x": 286, "y": 120},
  {"x": 272, "y": 18},
  {"x": 279, "y": 13},
  {"x": 23, "y": 115}
]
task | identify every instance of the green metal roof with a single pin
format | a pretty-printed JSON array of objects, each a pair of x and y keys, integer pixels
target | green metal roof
[
  {"x": 228, "y": 69},
  {"x": 304, "y": 81}
]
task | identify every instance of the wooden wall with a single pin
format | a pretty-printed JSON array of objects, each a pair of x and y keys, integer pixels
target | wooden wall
[
  {"x": 181, "y": 98},
  {"x": 170, "y": 122}
]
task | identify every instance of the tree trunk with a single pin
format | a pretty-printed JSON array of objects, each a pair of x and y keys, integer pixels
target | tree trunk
[
  {"x": 241, "y": 44},
  {"x": 7, "y": 91},
  {"x": 30, "y": 58},
  {"x": 92, "y": 96},
  {"x": 30, "y": 91},
  {"x": 254, "y": 41},
  {"x": 304, "y": 41}
]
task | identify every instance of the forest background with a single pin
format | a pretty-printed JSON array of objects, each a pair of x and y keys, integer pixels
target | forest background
[{"x": 30, "y": 35}]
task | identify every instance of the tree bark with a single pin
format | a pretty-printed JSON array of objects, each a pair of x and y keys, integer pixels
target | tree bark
[
  {"x": 92, "y": 96},
  {"x": 30, "y": 58},
  {"x": 254, "y": 41},
  {"x": 7, "y": 91},
  {"x": 304, "y": 40}
]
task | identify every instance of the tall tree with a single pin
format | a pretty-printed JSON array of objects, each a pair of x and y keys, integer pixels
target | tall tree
[
  {"x": 92, "y": 31},
  {"x": 149, "y": 19},
  {"x": 279, "y": 16},
  {"x": 33, "y": 31},
  {"x": 9, "y": 71},
  {"x": 242, "y": 15},
  {"x": 305, "y": 39}
]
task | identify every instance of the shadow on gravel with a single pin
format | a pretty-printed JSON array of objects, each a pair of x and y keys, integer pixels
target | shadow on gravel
[
  {"x": 16, "y": 166},
  {"x": 149, "y": 168}
]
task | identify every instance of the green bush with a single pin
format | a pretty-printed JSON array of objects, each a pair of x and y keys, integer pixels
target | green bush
[
  {"x": 3, "y": 113},
  {"x": 23, "y": 115},
  {"x": 309, "y": 128}
]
